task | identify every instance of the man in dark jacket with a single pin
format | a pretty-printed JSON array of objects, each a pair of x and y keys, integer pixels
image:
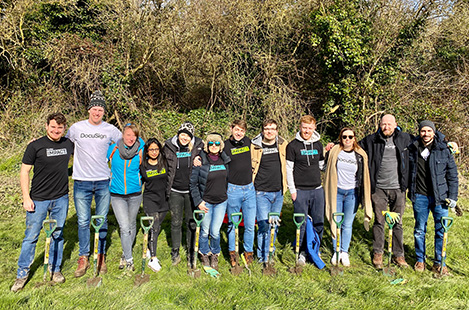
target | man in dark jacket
[
  {"x": 388, "y": 160},
  {"x": 433, "y": 187}
]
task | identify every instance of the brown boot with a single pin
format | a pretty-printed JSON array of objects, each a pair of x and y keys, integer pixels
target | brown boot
[
  {"x": 233, "y": 258},
  {"x": 249, "y": 257},
  {"x": 83, "y": 265},
  {"x": 214, "y": 261},
  {"x": 205, "y": 260},
  {"x": 400, "y": 261},
  {"x": 102, "y": 268},
  {"x": 378, "y": 260}
]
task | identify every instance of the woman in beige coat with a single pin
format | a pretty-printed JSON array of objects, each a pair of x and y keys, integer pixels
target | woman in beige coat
[{"x": 347, "y": 183}]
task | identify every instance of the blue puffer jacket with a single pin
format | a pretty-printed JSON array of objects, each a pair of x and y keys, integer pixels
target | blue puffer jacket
[
  {"x": 199, "y": 176},
  {"x": 125, "y": 174},
  {"x": 443, "y": 170}
]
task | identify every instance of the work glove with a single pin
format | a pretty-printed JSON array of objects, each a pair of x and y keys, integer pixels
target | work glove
[
  {"x": 274, "y": 221},
  {"x": 451, "y": 203},
  {"x": 393, "y": 215}
]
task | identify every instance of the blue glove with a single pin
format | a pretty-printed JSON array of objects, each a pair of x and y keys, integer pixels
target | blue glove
[{"x": 274, "y": 220}]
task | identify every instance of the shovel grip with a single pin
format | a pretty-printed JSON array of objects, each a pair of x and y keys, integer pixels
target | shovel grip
[
  {"x": 196, "y": 215},
  {"x": 94, "y": 222},
  {"x": 150, "y": 220},
  {"x": 446, "y": 222},
  {"x": 240, "y": 218},
  {"x": 335, "y": 215},
  {"x": 301, "y": 216},
  {"x": 49, "y": 226}
]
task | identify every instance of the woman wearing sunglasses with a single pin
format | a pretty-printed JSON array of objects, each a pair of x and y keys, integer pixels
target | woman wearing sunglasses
[
  {"x": 347, "y": 183},
  {"x": 209, "y": 184}
]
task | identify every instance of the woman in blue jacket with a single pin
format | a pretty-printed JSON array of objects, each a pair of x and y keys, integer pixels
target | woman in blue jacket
[
  {"x": 208, "y": 186},
  {"x": 126, "y": 188}
]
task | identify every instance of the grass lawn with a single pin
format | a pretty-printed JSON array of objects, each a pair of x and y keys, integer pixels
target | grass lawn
[{"x": 360, "y": 287}]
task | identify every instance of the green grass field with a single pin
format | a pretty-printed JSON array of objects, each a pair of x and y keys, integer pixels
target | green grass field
[{"x": 360, "y": 287}]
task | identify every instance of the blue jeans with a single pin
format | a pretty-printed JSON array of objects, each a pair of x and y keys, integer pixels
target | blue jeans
[
  {"x": 266, "y": 202},
  {"x": 347, "y": 203},
  {"x": 83, "y": 195},
  {"x": 310, "y": 202},
  {"x": 211, "y": 225},
  {"x": 422, "y": 207},
  {"x": 242, "y": 197},
  {"x": 57, "y": 209},
  {"x": 126, "y": 210}
]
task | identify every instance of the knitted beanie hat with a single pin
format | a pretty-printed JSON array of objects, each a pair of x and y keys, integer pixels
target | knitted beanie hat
[
  {"x": 97, "y": 100},
  {"x": 187, "y": 128},
  {"x": 427, "y": 124}
]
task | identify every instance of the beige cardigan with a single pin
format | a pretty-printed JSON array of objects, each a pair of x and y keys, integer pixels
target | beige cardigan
[{"x": 330, "y": 187}]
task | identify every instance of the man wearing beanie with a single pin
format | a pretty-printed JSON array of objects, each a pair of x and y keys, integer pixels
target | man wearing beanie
[
  {"x": 388, "y": 160},
  {"x": 91, "y": 174},
  {"x": 180, "y": 152},
  {"x": 433, "y": 187}
]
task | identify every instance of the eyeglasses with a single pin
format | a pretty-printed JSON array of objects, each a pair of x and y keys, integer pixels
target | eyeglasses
[
  {"x": 153, "y": 150},
  {"x": 217, "y": 143},
  {"x": 350, "y": 137}
]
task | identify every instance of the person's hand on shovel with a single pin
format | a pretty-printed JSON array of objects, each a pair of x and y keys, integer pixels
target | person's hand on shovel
[
  {"x": 203, "y": 207},
  {"x": 274, "y": 220},
  {"x": 394, "y": 216}
]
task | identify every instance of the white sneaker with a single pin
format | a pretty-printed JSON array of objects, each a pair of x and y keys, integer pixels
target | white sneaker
[
  {"x": 334, "y": 259},
  {"x": 344, "y": 259},
  {"x": 154, "y": 264},
  {"x": 301, "y": 260}
]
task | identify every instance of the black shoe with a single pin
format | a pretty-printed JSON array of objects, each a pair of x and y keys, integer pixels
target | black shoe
[{"x": 175, "y": 258}]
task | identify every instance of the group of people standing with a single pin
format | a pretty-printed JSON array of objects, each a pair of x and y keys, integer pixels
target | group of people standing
[{"x": 226, "y": 176}]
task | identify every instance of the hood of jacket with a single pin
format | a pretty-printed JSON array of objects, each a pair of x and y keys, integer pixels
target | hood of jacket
[
  {"x": 257, "y": 141},
  {"x": 314, "y": 138}
]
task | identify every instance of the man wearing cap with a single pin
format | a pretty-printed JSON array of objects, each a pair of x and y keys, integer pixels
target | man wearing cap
[
  {"x": 180, "y": 152},
  {"x": 433, "y": 187},
  {"x": 388, "y": 160},
  {"x": 268, "y": 152},
  {"x": 48, "y": 195},
  {"x": 91, "y": 174}
]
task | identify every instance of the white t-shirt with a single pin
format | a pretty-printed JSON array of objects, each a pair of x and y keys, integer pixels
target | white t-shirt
[
  {"x": 91, "y": 145},
  {"x": 347, "y": 167}
]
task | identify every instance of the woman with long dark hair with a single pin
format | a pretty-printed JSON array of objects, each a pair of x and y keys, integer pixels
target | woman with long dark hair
[
  {"x": 347, "y": 183},
  {"x": 155, "y": 204}
]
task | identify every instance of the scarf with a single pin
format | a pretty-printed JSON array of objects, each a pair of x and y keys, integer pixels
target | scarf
[{"x": 126, "y": 152}]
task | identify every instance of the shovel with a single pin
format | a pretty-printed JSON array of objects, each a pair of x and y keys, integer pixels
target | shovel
[
  {"x": 297, "y": 269},
  {"x": 144, "y": 278},
  {"x": 269, "y": 266},
  {"x": 193, "y": 271},
  {"x": 49, "y": 228},
  {"x": 446, "y": 222},
  {"x": 336, "y": 270},
  {"x": 236, "y": 270},
  {"x": 96, "y": 281},
  {"x": 391, "y": 219}
]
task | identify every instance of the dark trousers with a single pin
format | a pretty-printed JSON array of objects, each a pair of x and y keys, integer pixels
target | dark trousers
[
  {"x": 395, "y": 198},
  {"x": 155, "y": 230},
  {"x": 310, "y": 202},
  {"x": 180, "y": 205}
]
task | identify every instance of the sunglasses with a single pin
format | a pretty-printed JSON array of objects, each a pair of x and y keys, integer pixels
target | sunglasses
[
  {"x": 217, "y": 143},
  {"x": 350, "y": 137}
]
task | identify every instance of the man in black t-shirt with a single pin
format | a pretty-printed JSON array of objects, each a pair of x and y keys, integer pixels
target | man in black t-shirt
[
  {"x": 270, "y": 181},
  {"x": 50, "y": 156},
  {"x": 241, "y": 192},
  {"x": 305, "y": 160}
]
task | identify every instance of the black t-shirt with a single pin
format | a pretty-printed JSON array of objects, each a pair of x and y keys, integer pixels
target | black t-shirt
[
  {"x": 182, "y": 176},
  {"x": 424, "y": 180},
  {"x": 50, "y": 160},
  {"x": 154, "y": 195},
  {"x": 306, "y": 157},
  {"x": 240, "y": 172},
  {"x": 269, "y": 175},
  {"x": 215, "y": 188}
]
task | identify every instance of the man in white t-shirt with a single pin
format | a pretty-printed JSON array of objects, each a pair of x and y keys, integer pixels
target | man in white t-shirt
[{"x": 91, "y": 174}]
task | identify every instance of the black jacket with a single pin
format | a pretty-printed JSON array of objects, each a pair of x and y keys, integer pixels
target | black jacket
[
  {"x": 170, "y": 148},
  {"x": 443, "y": 170},
  {"x": 199, "y": 177},
  {"x": 374, "y": 147}
]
